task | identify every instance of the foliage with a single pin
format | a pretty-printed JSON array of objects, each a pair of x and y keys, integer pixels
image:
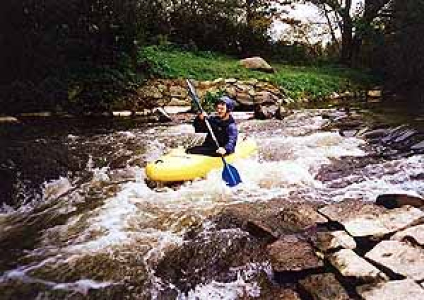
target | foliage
[
  {"x": 404, "y": 47},
  {"x": 356, "y": 25},
  {"x": 298, "y": 81}
]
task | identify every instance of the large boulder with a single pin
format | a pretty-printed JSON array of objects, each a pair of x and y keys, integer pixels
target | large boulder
[{"x": 256, "y": 63}]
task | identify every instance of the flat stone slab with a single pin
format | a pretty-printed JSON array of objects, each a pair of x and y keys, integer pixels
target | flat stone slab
[
  {"x": 326, "y": 241},
  {"x": 392, "y": 290},
  {"x": 271, "y": 219},
  {"x": 350, "y": 264},
  {"x": 401, "y": 258},
  {"x": 416, "y": 234},
  {"x": 350, "y": 209},
  {"x": 324, "y": 287},
  {"x": 291, "y": 254},
  {"x": 373, "y": 220}
]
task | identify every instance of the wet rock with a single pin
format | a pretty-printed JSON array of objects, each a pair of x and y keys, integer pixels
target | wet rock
[
  {"x": 349, "y": 264},
  {"x": 8, "y": 119},
  {"x": 400, "y": 258},
  {"x": 326, "y": 241},
  {"x": 388, "y": 222},
  {"x": 281, "y": 112},
  {"x": 256, "y": 63},
  {"x": 271, "y": 219},
  {"x": 261, "y": 112},
  {"x": 418, "y": 146},
  {"x": 392, "y": 290},
  {"x": 290, "y": 254},
  {"x": 346, "y": 171},
  {"x": 398, "y": 200},
  {"x": 162, "y": 115},
  {"x": 324, "y": 287},
  {"x": 270, "y": 290},
  {"x": 374, "y": 93},
  {"x": 209, "y": 256},
  {"x": 375, "y": 134},
  {"x": 414, "y": 234},
  {"x": 350, "y": 209},
  {"x": 371, "y": 220}
]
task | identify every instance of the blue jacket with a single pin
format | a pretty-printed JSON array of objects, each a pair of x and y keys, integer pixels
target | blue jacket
[{"x": 225, "y": 131}]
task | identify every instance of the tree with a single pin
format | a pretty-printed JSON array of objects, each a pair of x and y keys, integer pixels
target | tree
[
  {"x": 404, "y": 49},
  {"x": 354, "y": 23}
]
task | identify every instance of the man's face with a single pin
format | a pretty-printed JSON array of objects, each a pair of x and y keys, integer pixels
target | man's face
[{"x": 221, "y": 110}]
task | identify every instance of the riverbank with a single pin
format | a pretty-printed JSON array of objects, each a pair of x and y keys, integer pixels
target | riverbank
[{"x": 106, "y": 90}]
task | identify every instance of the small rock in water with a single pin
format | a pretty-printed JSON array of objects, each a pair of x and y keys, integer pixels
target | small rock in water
[
  {"x": 398, "y": 200},
  {"x": 162, "y": 115}
]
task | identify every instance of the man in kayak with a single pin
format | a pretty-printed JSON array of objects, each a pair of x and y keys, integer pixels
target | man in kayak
[{"x": 223, "y": 126}]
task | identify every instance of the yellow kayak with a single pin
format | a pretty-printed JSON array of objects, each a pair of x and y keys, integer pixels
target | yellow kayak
[{"x": 180, "y": 166}]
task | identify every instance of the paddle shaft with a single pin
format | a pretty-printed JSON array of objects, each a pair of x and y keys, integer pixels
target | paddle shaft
[{"x": 196, "y": 100}]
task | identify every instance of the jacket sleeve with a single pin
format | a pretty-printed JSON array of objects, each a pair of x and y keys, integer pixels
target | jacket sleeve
[
  {"x": 232, "y": 138},
  {"x": 199, "y": 126}
]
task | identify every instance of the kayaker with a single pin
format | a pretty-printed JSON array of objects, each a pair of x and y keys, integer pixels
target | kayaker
[{"x": 223, "y": 126}]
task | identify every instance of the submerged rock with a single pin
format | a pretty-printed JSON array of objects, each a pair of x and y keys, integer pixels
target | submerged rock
[
  {"x": 392, "y": 290},
  {"x": 209, "y": 256},
  {"x": 400, "y": 258}
]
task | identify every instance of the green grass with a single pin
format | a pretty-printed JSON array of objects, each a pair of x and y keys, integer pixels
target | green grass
[{"x": 312, "y": 82}]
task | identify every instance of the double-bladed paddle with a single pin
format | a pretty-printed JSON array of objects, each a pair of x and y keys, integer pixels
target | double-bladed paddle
[{"x": 229, "y": 174}]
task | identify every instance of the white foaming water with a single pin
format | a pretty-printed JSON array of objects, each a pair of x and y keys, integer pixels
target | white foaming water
[
  {"x": 82, "y": 286},
  {"x": 54, "y": 189},
  {"x": 394, "y": 177},
  {"x": 223, "y": 291},
  {"x": 136, "y": 216},
  {"x": 240, "y": 288}
]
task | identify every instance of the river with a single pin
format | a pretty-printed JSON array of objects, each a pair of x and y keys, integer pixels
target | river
[{"x": 79, "y": 221}]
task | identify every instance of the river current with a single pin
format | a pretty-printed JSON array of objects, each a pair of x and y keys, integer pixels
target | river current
[{"x": 98, "y": 230}]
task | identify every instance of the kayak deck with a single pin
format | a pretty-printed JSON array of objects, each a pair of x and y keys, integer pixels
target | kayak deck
[{"x": 180, "y": 166}]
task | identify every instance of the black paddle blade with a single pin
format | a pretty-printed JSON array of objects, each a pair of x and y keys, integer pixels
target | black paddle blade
[{"x": 230, "y": 175}]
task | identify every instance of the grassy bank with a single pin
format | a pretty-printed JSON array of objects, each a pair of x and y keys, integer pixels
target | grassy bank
[{"x": 298, "y": 81}]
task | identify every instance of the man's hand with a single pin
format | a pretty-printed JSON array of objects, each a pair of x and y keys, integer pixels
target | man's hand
[
  {"x": 221, "y": 151},
  {"x": 202, "y": 115}
]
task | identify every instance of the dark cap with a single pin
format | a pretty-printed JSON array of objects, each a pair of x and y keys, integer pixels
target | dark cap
[{"x": 228, "y": 102}]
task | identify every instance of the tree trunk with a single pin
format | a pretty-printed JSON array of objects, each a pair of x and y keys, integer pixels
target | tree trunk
[{"x": 347, "y": 35}]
